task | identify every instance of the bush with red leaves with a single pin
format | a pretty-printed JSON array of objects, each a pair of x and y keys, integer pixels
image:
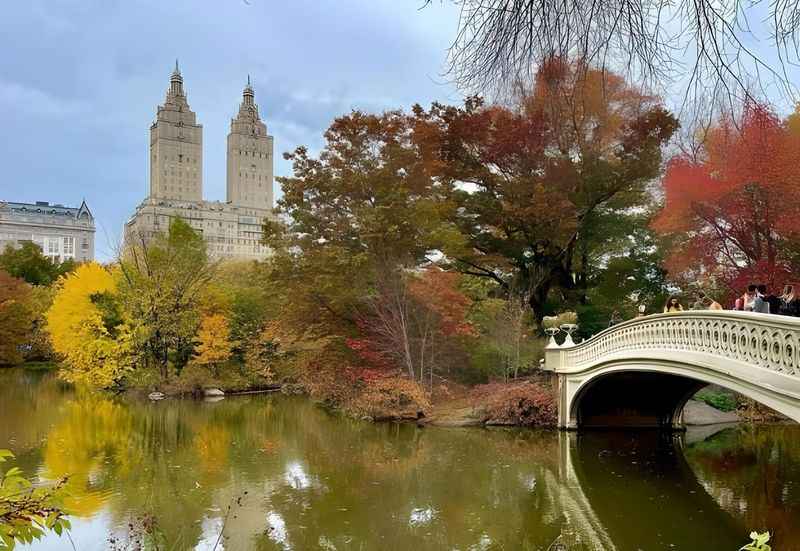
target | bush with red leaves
[{"x": 526, "y": 404}]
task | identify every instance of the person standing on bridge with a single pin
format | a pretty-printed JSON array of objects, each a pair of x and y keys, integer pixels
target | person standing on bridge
[
  {"x": 772, "y": 299},
  {"x": 746, "y": 301},
  {"x": 790, "y": 305},
  {"x": 760, "y": 303},
  {"x": 705, "y": 302},
  {"x": 673, "y": 305}
]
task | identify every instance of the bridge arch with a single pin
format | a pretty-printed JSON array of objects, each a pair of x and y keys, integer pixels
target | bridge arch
[{"x": 642, "y": 372}]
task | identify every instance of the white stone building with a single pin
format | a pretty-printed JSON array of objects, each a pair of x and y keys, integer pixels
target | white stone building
[
  {"x": 232, "y": 228},
  {"x": 63, "y": 233}
]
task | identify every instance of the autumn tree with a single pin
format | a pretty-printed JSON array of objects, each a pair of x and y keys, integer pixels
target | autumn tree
[
  {"x": 214, "y": 345},
  {"x": 733, "y": 215},
  {"x": 367, "y": 209},
  {"x": 161, "y": 285},
  {"x": 16, "y": 317},
  {"x": 86, "y": 330},
  {"x": 361, "y": 217},
  {"x": 535, "y": 186},
  {"x": 709, "y": 46}
]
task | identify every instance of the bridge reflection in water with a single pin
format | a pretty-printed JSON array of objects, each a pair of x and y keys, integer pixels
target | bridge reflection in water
[
  {"x": 655, "y": 497},
  {"x": 641, "y": 372}
]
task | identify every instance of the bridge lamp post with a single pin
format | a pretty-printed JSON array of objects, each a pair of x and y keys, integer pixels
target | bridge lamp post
[
  {"x": 552, "y": 331},
  {"x": 569, "y": 329}
]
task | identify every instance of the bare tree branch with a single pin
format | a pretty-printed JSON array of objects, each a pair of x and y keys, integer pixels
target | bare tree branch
[{"x": 705, "y": 46}]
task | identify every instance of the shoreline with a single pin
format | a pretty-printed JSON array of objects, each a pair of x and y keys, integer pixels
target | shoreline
[{"x": 457, "y": 412}]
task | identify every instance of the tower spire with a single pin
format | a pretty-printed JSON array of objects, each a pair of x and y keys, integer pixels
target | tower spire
[
  {"x": 248, "y": 94},
  {"x": 176, "y": 81}
]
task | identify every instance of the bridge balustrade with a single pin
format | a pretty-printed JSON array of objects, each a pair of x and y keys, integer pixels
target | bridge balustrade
[{"x": 768, "y": 341}]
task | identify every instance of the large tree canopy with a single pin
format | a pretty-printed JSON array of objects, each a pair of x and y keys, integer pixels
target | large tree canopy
[{"x": 541, "y": 189}]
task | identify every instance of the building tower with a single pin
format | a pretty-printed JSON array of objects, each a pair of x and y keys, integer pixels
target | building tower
[
  {"x": 176, "y": 147},
  {"x": 249, "y": 179}
]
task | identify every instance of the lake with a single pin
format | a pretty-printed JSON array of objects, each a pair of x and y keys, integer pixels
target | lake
[{"x": 270, "y": 472}]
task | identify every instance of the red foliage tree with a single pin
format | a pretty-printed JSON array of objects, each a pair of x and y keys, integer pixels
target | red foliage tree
[
  {"x": 732, "y": 213},
  {"x": 405, "y": 325},
  {"x": 15, "y": 317}
]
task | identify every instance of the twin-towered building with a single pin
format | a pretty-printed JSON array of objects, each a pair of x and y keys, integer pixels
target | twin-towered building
[{"x": 232, "y": 228}]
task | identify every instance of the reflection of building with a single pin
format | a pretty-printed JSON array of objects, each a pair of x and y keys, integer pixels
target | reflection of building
[
  {"x": 233, "y": 228},
  {"x": 62, "y": 232}
]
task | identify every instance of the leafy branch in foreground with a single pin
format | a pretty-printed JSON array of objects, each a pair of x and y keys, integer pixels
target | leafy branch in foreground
[
  {"x": 759, "y": 542},
  {"x": 27, "y": 512}
]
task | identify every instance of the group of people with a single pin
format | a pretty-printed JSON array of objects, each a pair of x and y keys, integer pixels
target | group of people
[{"x": 755, "y": 299}]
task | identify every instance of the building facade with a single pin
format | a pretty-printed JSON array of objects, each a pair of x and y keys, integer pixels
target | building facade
[
  {"x": 63, "y": 233},
  {"x": 176, "y": 147},
  {"x": 232, "y": 229}
]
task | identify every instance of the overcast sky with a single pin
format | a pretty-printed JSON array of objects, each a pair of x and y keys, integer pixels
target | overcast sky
[{"x": 80, "y": 81}]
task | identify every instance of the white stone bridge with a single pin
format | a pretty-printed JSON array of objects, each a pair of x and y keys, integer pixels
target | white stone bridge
[{"x": 642, "y": 372}]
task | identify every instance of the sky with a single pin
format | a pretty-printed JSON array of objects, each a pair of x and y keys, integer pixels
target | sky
[
  {"x": 81, "y": 85},
  {"x": 80, "y": 81}
]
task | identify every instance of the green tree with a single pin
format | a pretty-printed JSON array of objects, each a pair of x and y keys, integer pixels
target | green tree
[
  {"x": 41, "y": 298},
  {"x": 27, "y": 262},
  {"x": 161, "y": 287}
]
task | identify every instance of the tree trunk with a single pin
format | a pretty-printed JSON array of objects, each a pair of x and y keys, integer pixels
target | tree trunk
[{"x": 537, "y": 300}]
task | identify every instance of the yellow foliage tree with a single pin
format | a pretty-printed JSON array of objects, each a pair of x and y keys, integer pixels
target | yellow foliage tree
[
  {"x": 214, "y": 346},
  {"x": 95, "y": 350}
]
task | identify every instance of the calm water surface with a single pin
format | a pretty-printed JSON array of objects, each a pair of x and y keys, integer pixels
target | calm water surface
[{"x": 296, "y": 477}]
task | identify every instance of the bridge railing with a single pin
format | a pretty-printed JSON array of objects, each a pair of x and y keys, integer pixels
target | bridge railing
[{"x": 768, "y": 341}]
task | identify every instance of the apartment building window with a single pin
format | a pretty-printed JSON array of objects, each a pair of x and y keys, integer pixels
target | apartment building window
[
  {"x": 68, "y": 247},
  {"x": 52, "y": 248}
]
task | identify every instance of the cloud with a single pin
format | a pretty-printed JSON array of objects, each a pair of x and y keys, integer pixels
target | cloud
[{"x": 83, "y": 78}]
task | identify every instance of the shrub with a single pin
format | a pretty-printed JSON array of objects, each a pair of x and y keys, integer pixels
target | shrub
[
  {"x": 525, "y": 404},
  {"x": 390, "y": 398},
  {"x": 722, "y": 401}
]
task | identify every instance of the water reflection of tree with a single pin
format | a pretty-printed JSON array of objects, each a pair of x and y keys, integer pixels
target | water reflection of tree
[
  {"x": 373, "y": 486},
  {"x": 752, "y": 471},
  {"x": 309, "y": 478},
  {"x": 90, "y": 446},
  {"x": 32, "y": 397}
]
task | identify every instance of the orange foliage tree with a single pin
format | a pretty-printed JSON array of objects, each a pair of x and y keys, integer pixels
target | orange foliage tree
[
  {"x": 732, "y": 214},
  {"x": 214, "y": 346}
]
